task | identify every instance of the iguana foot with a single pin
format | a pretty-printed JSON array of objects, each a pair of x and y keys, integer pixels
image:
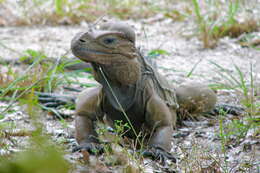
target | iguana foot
[
  {"x": 52, "y": 100},
  {"x": 228, "y": 109},
  {"x": 157, "y": 153},
  {"x": 92, "y": 148}
]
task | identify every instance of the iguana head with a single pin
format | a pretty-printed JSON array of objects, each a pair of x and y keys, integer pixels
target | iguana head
[
  {"x": 112, "y": 43},
  {"x": 112, "y": 47}
]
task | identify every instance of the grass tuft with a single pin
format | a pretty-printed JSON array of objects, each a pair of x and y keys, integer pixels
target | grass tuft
[
  {"x": 75, "y": 12},
  {"x": 212, "y": 26}
]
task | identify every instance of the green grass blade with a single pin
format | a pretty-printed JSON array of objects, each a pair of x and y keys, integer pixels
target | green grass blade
[
  {"x": 229, "y": 77},
  {"x": 193, "y": 68}
]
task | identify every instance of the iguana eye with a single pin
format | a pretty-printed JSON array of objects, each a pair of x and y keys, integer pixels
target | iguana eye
[{"x": 109, "y": 41}]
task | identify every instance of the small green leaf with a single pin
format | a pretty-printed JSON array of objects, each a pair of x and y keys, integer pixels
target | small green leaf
[
  {"x": 1, "y": 116},
  {"x": 157, "y": 52}
]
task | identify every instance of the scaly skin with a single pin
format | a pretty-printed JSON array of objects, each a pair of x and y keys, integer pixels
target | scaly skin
[{"x": 146, "y": 97}]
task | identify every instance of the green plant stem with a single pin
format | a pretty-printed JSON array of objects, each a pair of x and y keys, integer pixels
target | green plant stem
[
  {"x": 20, "y": 95},
  {"x": 121, "y": 107}
]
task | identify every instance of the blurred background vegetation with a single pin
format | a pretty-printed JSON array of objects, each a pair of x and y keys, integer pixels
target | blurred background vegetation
[{"x": 212, "y": 19}]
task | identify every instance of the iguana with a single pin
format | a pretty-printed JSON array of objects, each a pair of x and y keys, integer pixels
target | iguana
[{"x": 131, "y": 90}]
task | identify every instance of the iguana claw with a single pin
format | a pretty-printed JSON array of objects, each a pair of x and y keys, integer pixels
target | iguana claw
[
  {"x": 228, "y": 109},
  {"x": 156, "y": 153},
  {"x": 94, "y": 149},
  {"x": 52, "y": 100}
]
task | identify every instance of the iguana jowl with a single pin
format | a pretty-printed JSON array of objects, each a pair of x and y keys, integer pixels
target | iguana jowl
[{"x": 130, "y": 83}]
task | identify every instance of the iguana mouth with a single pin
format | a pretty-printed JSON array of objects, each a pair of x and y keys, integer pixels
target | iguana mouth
[
  {"x": 83, "y": 49},
  {"x": 87, "y": 54},
  {"x": 92, "y": 55}
]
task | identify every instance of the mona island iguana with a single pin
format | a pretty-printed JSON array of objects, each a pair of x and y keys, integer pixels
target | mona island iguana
[{"x": 131, "y": 90}]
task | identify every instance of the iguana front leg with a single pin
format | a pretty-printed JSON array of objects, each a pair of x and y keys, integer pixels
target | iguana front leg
[
  {"x": 160, "y": 118},
  {"x": 87, "y": 111}
]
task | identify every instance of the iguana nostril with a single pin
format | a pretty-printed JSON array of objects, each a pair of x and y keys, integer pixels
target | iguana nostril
[{"x": 81, "y": 40}]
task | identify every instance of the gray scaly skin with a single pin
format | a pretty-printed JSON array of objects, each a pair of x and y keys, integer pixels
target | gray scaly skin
[{"x": 129, "y": 84}]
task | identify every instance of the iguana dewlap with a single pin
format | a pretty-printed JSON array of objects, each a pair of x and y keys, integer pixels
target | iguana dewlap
[{"x": 146, "y": 97}]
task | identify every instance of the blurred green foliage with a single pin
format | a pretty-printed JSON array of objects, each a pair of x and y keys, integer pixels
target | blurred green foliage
[{"x": 41, "y": 158}]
